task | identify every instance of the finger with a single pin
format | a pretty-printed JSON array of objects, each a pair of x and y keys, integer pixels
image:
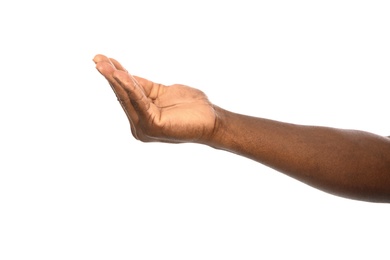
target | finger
[
  {"x": 106, "y": 68},
  {"x": 114, "y": 62},
  {"x": 152, "y": 89},
  {"x": 99, "y": 57},
  {"x": 117, "y": 65},
  {"x": 135, "y": 92}
]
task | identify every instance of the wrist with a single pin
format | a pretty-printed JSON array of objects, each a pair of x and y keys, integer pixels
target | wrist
[{"x": 219, "y": 136}]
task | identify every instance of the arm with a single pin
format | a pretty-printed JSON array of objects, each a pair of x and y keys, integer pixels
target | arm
[{"x": 348, "y": 163}]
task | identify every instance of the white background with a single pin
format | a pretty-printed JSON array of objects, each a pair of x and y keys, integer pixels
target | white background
[{"x": 74, "y": 184}]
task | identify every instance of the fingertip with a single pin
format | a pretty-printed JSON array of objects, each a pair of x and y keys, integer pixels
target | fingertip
[
  {"x": 99, "y": 66},
  {"x": 99, "y": 58},
  {"x": 105, "y": 68}
]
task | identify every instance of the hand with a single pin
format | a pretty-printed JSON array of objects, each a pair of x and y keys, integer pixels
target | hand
[{"x": 174, "y": 114}]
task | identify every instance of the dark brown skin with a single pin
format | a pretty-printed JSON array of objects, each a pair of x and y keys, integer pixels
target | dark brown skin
[{"x": 348, "y": 163}]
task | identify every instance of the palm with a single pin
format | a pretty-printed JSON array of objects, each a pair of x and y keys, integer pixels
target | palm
[{"x": 180, "y": 113}]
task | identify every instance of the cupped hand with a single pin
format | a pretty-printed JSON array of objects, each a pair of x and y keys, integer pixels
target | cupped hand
[{"x": 156, "y": 112}]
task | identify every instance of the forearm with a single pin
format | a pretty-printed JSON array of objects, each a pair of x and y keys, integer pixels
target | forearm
[{"x": 347, "y": 163}]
